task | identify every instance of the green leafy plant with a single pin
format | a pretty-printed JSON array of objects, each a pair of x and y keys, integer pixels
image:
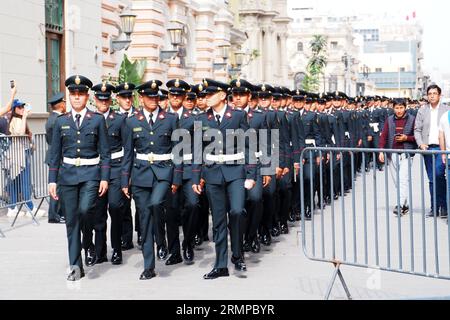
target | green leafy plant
[
  {"x": 132, "y": 72},
  {"x": 316, "y": 64}
]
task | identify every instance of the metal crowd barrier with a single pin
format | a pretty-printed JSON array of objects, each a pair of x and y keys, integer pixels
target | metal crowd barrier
[
  {"x": 360, "y": 228},
  {"x": 39, "y": 170},
  {"x": 15, "y": 174}
]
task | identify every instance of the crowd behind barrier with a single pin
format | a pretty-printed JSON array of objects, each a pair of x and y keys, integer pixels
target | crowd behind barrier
[{"x": 382, "y": 223}]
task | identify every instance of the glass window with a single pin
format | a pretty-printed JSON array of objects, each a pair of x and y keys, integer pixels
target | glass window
[
  {"x": 300, "y": 46},
  {"x": 54, "y": 22},
  {"x": 332, "y": 83},
  {"x": 54, "y": 15}
]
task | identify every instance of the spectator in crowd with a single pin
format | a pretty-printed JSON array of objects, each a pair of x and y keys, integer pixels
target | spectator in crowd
[
  {"x": 426, "y": 132},
  {"x": 7, "y": 108},
  {"x": 398, "y": 133},
  {"x": 444, "y": 142},
  {"x": 58, "y": 105},
  {"x": 19, "y": 187}
]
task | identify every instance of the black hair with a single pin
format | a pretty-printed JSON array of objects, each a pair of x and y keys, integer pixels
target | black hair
[{"x": 434, "y": 86}]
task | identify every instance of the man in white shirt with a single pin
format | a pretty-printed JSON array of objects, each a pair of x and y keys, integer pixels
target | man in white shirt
[
  {"x": 444, "y": 142},
  {"x": 426, "y": 132}
]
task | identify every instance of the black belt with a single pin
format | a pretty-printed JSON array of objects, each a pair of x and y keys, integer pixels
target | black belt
[{"x": 434, "y": 146}]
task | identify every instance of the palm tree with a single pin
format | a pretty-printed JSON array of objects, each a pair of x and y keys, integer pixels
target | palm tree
[{"x": 317, "y": 63}]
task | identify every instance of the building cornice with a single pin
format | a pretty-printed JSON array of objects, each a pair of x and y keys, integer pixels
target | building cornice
[
  {"x": 237, "y": 36},
  {"x": 205, "y": 7}
]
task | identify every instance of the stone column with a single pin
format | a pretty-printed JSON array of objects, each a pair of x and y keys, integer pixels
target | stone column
[
  {"x": 268, "y": 54},
  {"x": 283, "y": 60},
  {"x": 148, "y": 36},
  {"x": 204, "y": 40}
]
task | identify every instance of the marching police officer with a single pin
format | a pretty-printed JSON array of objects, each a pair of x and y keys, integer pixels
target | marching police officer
[
  {"x": 182, "y": 207},
  {"x": 97, "y": 220},
  {"x": 58, "y": 105},
  {"x": 114, "y": 201},
  {"x": 148, "y": 167},
  {"x": 202, "y": 227},
  {"x": 225, "y": 179},
  {"x": 241, "y": 91},
  {"x": 124, "y": 95},
  {"x": 265, "y": 102},
  {"x": 312, "y": 160},
  {"x": 79, "y": 165}
]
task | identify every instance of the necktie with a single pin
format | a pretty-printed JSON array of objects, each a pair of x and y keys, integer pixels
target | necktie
[
  {"x": 218, "y": 119},
  {"x": 77, "y": 122},
  {"x": 151, "y": 120},
  {"x": 126, "y": 114}
]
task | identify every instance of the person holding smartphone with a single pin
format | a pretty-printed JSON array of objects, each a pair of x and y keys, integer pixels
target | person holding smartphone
[
  {"x": 8, "y": 106},
  {"x": 398, "y": 133},
  {"x": 20, "y": 186}
]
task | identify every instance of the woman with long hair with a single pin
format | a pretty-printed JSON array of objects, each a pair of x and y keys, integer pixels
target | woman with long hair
[{"x": 19, "y": 188}]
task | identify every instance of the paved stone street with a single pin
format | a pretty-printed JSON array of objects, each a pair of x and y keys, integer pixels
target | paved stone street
[{"x": 34, "y": 258}]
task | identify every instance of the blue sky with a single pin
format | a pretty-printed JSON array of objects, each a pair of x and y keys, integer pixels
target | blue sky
[{"x": 433, "y": 15}]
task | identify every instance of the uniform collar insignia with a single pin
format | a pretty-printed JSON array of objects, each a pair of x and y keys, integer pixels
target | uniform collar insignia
[{"x": 89, "y": 115}]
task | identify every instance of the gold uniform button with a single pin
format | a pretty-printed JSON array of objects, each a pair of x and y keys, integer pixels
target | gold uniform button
[
  {"x": 78, "y": 132},
  {"x": 78, "y": 141},
  {"x": 78, "y": 150},
  {"x": 152, "y": 133},
  {"x": 152, "y": 143}
]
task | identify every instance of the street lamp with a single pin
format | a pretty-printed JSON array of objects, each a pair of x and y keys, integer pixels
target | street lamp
[
  {"x": 127, "y": 21},
  {"x": 239, "y": 58},
  {"x": 225, "y": 51},
  {"x": 176, "y": 34},
  {"x": 365, "y": 71},
  {"x": 176, "y": 31}
]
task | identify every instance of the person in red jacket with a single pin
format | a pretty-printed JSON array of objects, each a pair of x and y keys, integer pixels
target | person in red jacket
[{"x": 398, "y": 134}]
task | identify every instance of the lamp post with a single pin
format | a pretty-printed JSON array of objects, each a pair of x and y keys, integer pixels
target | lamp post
[
  {"x": 127, "y": 21},
  {"x": 225, "y": 51},
  {"x": 176, "y": 31},
  {"x": 348, "y": 62}
]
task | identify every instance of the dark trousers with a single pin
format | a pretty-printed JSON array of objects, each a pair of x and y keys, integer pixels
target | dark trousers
[
  {"x": 285, "y": 198},
  {"x": 309, "y": 182},
  {"x": 77, "y": 202},
  {"x": 439, "y": 177},
  {"x": 96, "y": 221},
  {"x": 373, "y": 145},
  {"x": 54, "y": 208},
  {"x": 254, "y": 208},
  {"x": 227, "y": 198},
  {"x": 150, "y": 203},
  {"x": 269, "y": 207},
  {"x": 114, "y": 202},
  {"x": 127, "y": 228},
  {"x": 182, "y": 210},
  {"x": 203, "y": 217},
  {"x": 127, "y": 225},
  {"x": 117, "y": 206}
]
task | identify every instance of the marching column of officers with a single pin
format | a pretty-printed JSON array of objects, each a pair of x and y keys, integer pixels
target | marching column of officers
[{"x": 101, "y": 160}]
